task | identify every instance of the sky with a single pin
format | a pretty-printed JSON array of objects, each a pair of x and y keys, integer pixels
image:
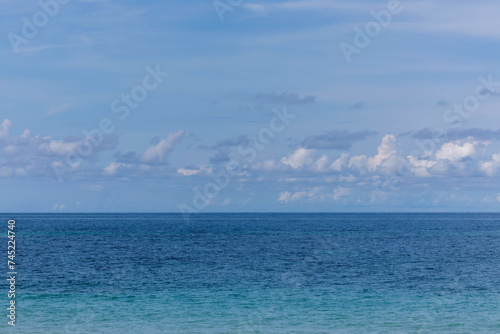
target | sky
[{"x": 245, "y": 105}]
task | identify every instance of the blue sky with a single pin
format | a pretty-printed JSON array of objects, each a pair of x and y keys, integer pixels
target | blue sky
[{"x": 246, "y": 105}]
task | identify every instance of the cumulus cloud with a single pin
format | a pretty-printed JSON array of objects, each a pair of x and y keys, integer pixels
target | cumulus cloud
[
  {"x": 339, "y": 163},
  {"x": 190, "y": 171},
  {"x": 5, "y": 128},
  {"x": 456, "y": 152},
  {"x": 321, "y": 164},
  {"x": 28, "y": 155},
  {"x": 113, "y": 167},
  {"x": 385, "y": 150},
  {"x": 449, "y": 155},
  {"x": 61, "y": 148},
  {"x": 420, "y": 167},
  {"x": 304, "y": 159},
  {"x": 491, "y": 166},
  {"x": 301, "y": 157},
  {"x": 157, "y": 153},
  {"x": 285, "y": 196},
  {"x": 58, "y": 147}
]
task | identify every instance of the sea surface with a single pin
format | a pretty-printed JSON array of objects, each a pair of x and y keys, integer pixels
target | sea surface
[{"x": 254, "y": 273}]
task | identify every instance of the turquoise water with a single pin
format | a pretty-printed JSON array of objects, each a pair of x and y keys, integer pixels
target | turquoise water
[{"x": 256, "y": 273}]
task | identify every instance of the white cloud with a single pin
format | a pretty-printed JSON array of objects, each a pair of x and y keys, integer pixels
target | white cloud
[
  {"x": 5, "y": 128},
  {"x": 321, "y": 164},
  {"x": 358, "y": 161},
  {"x": 289, "y": 197},
  {"x": 491, "y": 166},
  {"x": 454, "y": 152},
  {"x": 340, "y": 162},
  {"x": 299, "y": 158},
  {"x": 113, "y": 167},
  {"x": 385, "y": 150},
  {"x": 188, "y": 172},
  {"x": 449, "y": 154},
  {"x": 195, "y": 171},
  {"x": 57, "y": 147},
  {"x": 420, "y": 167},
  {"x": 285, "y": 196},
  {"x": 158, "y": 152}
]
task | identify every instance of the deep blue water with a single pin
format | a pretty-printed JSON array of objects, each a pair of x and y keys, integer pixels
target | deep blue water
[{"x": 255, "y": 273}]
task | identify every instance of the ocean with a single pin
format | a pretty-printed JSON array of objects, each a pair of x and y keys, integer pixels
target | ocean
[{"x": 255, "y": 273}]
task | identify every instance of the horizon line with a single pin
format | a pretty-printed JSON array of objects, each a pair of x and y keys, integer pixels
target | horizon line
[{"x": 247, "y": 212}]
